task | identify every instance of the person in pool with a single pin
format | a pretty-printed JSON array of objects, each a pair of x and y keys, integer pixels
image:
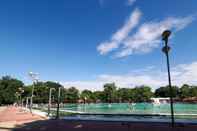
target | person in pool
[{"x": 131, "y": 105}]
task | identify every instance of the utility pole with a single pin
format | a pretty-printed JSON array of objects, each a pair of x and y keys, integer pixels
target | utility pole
[
  {"x": 58, "y": 102},
  {"x": 49, "y": 105},
  {"x": 34, "y": 77},
  {"x": 166, "y": 49},
  {"x": 27, "y": 102},
  {"x": 21, "y": 91}
]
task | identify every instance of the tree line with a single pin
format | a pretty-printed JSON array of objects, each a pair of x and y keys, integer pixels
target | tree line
[{"x": 14, "y": 90}]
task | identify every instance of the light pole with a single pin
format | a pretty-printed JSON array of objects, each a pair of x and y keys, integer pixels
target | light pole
[
  {"x": 21, "y": 91},
  {"x": 49, "y": 105},
  {"x": 34, "y": 77},
  {"x": 166, "y": 49},
  {"x": 17, "y": 94},
  {"x": 27, "y": 102},
  {"x": 58, "y": 102}
]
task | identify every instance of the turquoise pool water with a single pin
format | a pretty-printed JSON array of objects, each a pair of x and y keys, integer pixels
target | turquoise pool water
[{"x": 126, "y": 108}]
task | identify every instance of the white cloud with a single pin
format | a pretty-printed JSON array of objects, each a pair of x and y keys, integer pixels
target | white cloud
[
  {"x": 148, "y": 35},
  {"x": 131, "y": 80},
  {"x": 181, "y": 74},
  {"x": 185, "y": 73},
  {"x": 81, "y": 85},
  {"x": 130, "y": 2},
  {"x": 121, "y": 34},
  {"x": 145, "y": 39}
]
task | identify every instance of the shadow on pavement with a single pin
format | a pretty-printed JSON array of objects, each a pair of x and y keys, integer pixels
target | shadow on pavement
[{"x": 63, "y": 125}]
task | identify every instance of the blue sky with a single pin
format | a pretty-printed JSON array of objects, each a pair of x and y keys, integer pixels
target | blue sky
[{"x": 88, "y": 43}]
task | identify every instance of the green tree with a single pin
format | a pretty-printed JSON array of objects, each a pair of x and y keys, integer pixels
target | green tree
[
  {"x": 9, "y": 90},
  {"x": 165, "y": 91},
  {"x": 99, "y": 96},
  {"x": 185, "y": 91},
  {"x": 110, "y": 92},
  {"x": 123, "y": 94},
  {"x": 87, "y": 96},
  {"x": 40, "y": 93},
  {"x": 27, "y": 91},
  {"x": 142, "y": 94},
  {"x": 193, "y": 91},
  {"x": 55, "y": 86},
  {"x": 72, "y": 95}
]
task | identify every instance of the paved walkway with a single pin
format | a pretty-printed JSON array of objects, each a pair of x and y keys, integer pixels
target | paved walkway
[
  {"x": 11, "y": 117},
  {"x": 2, "y": 108}
]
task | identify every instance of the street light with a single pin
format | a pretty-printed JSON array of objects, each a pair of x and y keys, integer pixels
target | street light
[
  {"x": 34, "y": 77},
  {"x": 27, "y": 102},
  {"x": 49, "y": 105},
  {"x": 21, "y": 91},
  {"x": 58, "y": 102},
  {"x": 166, "y": 49},
  {"x": 17, "y": 94}
]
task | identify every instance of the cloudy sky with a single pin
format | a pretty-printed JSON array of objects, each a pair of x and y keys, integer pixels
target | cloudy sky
[{"x": 88, "y": 43}]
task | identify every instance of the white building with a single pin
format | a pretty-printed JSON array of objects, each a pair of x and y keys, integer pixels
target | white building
[{"x": 158, "y": 101}]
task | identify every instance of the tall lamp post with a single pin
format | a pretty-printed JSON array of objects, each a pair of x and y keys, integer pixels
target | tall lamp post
[
  {"x": 34, "y": 77},
  {"x": 17, "y": 94},
  {"x": 58, "y": 102},
  {"x": 27, "y": 102},
  {"x": 21, "y": 91},
  {"x": 49, "y": 105},
  {"x": 166, "y": 49}
]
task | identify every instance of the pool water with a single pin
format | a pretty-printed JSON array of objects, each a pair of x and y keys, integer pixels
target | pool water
[{"x": 126, "y": 108}]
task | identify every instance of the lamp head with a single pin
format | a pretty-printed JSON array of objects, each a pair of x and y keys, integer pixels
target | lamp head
[{"x": 166, "y": 34}]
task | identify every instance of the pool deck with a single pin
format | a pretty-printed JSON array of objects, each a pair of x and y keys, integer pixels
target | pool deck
[{"x": 11, "y": 117}]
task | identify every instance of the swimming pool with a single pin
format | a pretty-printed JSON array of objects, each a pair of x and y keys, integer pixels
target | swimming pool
[
  {"x": 126, "y": 108},
  {"x": 126, "y": 112}
]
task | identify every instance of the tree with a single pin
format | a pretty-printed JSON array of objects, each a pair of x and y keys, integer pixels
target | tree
[
  {"x": 41, "y": 92},
  {"x": 54, "y": 94},
  {"x": 123, "y": 94},
  {"x": 99, "y": 96},
  {"x": 72, "y": 95},
  {"x": 10, "y": 90},
  {"x": 110, "y": 92},
  {"x": 142, "y": 94},
  {"x": 27, "y": 91},
  {"x": 193, "y": 91},
  {"x": 185, "y": 91},
  {"x": 165, "y": 91},
  {"x": 86, "y": 95}
]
